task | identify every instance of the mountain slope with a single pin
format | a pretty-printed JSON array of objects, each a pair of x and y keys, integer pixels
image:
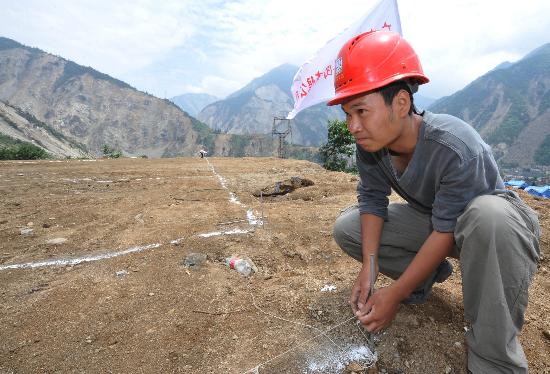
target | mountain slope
[
  {"x": 251, "y": 110},
  {"x": 92, "y": 108},
  {"x": 23, "y": 126},
  {"x": 509, "y": 106},
  {"x": 193, "y": 103}
]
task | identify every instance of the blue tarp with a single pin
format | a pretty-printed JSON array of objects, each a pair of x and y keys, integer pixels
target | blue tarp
[
  {"x": 516, "y": 183},
  {"x": 543, "y": 191}
]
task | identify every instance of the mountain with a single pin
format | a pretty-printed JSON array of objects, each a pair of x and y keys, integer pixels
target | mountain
[
  {"x": 73, "y": 110},
  {"x": 91, "y": 108},
  {"x": 23, "y": 126},
  {"x": 510, "y": 107},
  {"x": 423, "y": 102},
  {"x": 193, "y": 103},
  {"x": 251, "y": 110}
]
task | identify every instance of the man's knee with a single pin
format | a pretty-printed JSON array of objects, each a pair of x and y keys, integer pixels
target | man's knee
[
  {"x": 347, "y": 232},
  {"x": 485, "y": 216}
]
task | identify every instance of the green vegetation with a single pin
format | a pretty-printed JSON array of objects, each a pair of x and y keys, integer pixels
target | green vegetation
[
  {"x": 338, "y": 148},
  {"x": 304, "y": 153},
  {"x": 205, "y": 136},
  {"x": 542, "y": 154},
  {"x": 237, "y": 144},
  {"x": 110, "y": 152},
  {"x": 513, "y": 124},
  {"x": 14, "y": 149}
]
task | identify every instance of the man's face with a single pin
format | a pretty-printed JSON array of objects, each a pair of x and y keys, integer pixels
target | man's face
[{"x": 371, "y": 121}]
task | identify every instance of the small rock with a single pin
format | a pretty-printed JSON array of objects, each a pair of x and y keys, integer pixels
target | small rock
[
  {"x": 546, "y": 334},
  {"x": 56, "y": 241},
  {"x": 26, "y": 231},
  {"x": 432, "y": 320},
  {"x": 139, "y": 218},
  {"x": 151, "y": 294},
  {"x": 448, "y": 369},
  {"x": 46, "y": 225},
  {"x": 30, "y": 224},
  {"x": 121, "y": 273},
  {"x": 194, "y": 260},
  {"x": 458, "y": 344},
  {"x": 353, "y": 367}
]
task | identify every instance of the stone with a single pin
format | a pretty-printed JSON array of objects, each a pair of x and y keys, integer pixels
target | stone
[
  {"x": 546, "y": 334},
  {"x": 353, "y": 367},
  {"x": 194, "y": 260},
  {"x": 26, "y": 231},
  {"x": 283, "y": 187},
  {"x": 56, "y": 241}
]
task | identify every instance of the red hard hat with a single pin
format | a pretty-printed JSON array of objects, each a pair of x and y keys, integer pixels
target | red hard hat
[{"x": 372, "y": 60}]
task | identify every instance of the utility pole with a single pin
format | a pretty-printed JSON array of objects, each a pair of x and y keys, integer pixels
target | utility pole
[{"x": 281, "y": 128}]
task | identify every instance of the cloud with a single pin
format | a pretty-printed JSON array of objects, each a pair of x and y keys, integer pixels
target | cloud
[{"x": 219, "y": 46}]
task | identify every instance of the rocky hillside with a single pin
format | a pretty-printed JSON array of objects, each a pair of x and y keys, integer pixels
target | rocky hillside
[
  {"x": 251, "y": 109},
  {"x": 193, "y": 103},
  {"x": 510, "y": 107},
  {"x": 93, "y": 108},
  {"x": 23, "y": 126}
]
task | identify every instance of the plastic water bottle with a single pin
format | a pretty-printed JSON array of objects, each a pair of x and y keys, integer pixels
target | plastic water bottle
[{"x": 240, "y": 264}]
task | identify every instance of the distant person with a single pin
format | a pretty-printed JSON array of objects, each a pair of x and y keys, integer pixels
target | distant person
[
  {"x": 456, "y": 206},
  {"x": 203, "y": 153}
]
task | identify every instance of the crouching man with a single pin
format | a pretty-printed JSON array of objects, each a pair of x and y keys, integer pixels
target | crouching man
[{"x": 456, "y": 206}]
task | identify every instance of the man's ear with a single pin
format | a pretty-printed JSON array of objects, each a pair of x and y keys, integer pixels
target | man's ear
[{"x": 402, "y": 103}]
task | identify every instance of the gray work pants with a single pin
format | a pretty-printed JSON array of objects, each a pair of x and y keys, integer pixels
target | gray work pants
[{"x": 496, "y": 239}]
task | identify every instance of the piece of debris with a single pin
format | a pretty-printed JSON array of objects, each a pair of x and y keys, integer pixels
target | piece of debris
[
  {"x": 328, "y": 288},
  {"x": 121, "y": 273},
  {"x": 284, "y": 187},
  {"x": 546, "y": 334},
  {"x": 243, "y": 265},
  {"x": 139, "y": 218},
  {"x": 26, "y": 231},
  {"x": 56, "y": 241},
  {"x": 194, "y": 260}
]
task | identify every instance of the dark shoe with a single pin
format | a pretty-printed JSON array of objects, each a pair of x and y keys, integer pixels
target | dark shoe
[{"x": 443, "y": 271}]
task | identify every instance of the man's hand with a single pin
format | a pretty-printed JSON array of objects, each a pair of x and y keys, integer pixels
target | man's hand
[
  {"x": 361, "y": 288},
  {"x": 380, "y": 309}
]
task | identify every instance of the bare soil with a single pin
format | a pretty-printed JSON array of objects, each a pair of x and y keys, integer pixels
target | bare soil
[{"x": 145, "y": 312}]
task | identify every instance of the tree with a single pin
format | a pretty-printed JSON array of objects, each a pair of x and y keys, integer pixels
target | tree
[
  {"x": 110, "y": 152},
  {"x": 338, "y": 149}
]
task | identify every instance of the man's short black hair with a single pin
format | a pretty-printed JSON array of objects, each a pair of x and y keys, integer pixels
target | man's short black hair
[{"x": 388, "y": 93}]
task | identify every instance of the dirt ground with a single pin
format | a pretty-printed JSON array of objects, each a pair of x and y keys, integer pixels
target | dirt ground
[{"x": 145, "y": 312}]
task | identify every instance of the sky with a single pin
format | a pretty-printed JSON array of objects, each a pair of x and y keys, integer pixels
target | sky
[{"x": 172, "y": 47}]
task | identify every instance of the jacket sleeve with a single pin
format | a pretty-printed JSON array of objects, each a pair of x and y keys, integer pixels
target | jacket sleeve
[{"x": 373, "y": 188}]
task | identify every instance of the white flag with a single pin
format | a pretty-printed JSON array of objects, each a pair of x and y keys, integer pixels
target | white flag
[{"x": 314, "y": 81}]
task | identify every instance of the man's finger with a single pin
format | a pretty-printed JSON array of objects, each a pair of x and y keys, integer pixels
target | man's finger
[{"x": 353, "y": 299}]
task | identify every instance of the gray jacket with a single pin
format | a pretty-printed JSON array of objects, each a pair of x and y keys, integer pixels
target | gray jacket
[{"x": 450, "y": 166}]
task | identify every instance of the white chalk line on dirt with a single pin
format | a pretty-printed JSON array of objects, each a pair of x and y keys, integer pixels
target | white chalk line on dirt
[
  {"x": 64, "y": 261},
  {"x": 251, "y": 218},
  {"x": 78, "y": 260}
]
